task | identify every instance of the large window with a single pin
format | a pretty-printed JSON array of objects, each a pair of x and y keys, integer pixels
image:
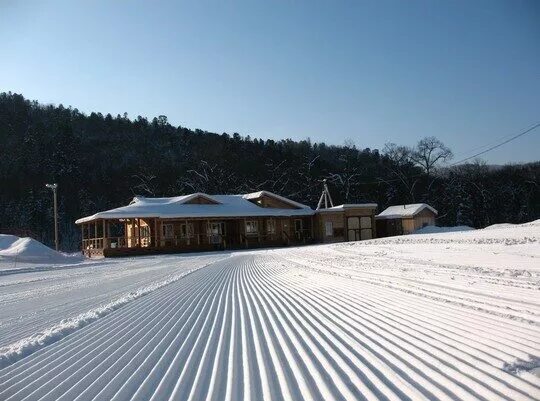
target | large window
[
  {"x": 186, "y": 230},
  {"x": 270, "y": 226},
  {"x": 168, "y": 231},
  {"x": 329, "y": 228},
  {"x": 145, "y": 231},
  {"x": 365, "y": 225},
  {"x": 145, "y": 235},
  {"x": 252, "y": 227}
]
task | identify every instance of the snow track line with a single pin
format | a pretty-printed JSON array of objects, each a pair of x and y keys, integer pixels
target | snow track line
[
  {"x": 379, "y": 329},
  {"x": 255, "y": 327},
  {"x": 476, "y": 303},
  {"x": 22, "y": 348}
]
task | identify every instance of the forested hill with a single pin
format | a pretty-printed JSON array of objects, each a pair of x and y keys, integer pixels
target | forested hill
[{"x": 101, "y": 162}]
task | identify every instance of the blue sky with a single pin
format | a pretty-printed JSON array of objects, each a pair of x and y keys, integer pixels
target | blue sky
[{"x": 467, "y": 72}]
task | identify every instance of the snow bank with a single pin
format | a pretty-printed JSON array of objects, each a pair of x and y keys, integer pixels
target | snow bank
[
  {"x": 503, "y": 234},
  {"x": 29, "y": 250},
  {"x": 436, "y": 230},
  {"x": 26, "y": 346},
  {"x": 535, "y": 223}
]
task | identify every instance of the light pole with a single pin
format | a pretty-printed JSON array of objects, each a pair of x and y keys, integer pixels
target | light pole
[{"x": 54, "y": 187}]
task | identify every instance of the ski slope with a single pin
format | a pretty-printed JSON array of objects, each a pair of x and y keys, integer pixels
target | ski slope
[{"x": 424, "y": 317}]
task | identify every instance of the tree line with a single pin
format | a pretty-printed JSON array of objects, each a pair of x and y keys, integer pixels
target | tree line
[{"x": 101, "y": 161}]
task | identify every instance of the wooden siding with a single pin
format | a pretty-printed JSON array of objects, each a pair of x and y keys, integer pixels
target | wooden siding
[
  {"x": 338, "y": 227},
  {"x": 402, "y": 226},
  {"x": 340, "y": 224}
]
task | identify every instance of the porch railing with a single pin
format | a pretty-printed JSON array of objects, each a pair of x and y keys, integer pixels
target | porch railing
[{"x": 193, "y": 240}]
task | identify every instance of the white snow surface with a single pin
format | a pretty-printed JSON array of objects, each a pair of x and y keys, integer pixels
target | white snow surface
[
  {"x": 436, "y": 230},
  {"x": 421, "y": 317},
  {"x": 18, "y": 251}
]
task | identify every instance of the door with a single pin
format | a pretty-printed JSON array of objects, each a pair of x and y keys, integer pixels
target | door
[
  {"x": 353, "y": 228},
  {"x": 215, "y": 232},
  {"x": 359, "y": 228},
  {"x": 298, "y": 228}
]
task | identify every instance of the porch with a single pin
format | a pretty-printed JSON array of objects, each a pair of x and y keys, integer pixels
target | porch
[{"x": 136, "y": 236}]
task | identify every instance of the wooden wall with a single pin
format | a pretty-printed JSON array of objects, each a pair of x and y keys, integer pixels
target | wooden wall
[
  {"x": 339, "y": 223},
  {"x": 424, "y": 218}
]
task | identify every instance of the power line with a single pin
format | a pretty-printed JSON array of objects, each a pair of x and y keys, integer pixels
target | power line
[
  {"x": 498, "y": 145},
  {"x": 381, "y": 181}
]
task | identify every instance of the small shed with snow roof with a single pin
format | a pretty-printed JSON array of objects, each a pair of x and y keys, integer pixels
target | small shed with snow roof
[{"x": 404, "y": 219}]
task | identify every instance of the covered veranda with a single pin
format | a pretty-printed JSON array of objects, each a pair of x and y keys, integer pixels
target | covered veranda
[{"x": 147, "y": 235}]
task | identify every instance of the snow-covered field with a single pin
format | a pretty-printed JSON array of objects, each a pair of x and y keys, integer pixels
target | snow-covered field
[{"x": 447, "y": 316}]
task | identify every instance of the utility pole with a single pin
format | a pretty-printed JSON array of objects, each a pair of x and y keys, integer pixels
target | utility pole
[
  {"x": 54, "y": 188},
  {"x": 325, "y": 196}
]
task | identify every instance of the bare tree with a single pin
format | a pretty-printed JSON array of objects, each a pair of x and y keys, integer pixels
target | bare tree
[
  {"x": 429, "y": 152},
  {"x": 400, "y": 167},
  {"x": 208, "y": 178},
  {"x": 400, "y": 155},
  {"x": 145, "y": 184}
]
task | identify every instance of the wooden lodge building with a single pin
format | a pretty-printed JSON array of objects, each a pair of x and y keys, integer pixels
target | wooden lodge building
[
  {"x": 201, "y": 222},
  {"x": 404, "y": 219}
]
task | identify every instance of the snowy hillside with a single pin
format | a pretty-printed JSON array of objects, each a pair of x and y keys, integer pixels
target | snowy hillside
[{"x": 443, "y": 316}]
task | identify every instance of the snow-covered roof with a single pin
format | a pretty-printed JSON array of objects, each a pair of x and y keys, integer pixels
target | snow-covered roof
[
  {"x": 256, "y": 195},
  {"x": 341, "y": 208},
  {"x": 176, "y": 207},
  {"x": 403, "y": 211}
]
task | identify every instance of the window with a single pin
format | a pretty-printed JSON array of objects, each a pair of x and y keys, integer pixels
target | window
[
  {"x": 298, "y": 225},
  {"x": 365, "y": 222},
  {"x": 168, "y": 231},
  {"x": 186, "y": 230},
  {"x": 252, "y": 227},
  {"x": 365, "y": 234},
  {"x": 365, "y": 225},
  {"x": 145, "y": 231},
  {"x": 270, "y": 226},
  {"x": 145, "y": 235},
  {"x": 329, "y": 228}
]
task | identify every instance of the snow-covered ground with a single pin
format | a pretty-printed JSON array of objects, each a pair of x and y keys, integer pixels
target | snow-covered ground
[{"x": 448, "y": 316}]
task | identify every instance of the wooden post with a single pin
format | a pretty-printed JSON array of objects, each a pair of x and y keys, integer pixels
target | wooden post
[
  {"x": 104, "y": 245},
  {"x": 126, "y": 233},
  {"x": 155, "y": 232},
  {"x": 82, "y": 237},
  {"x": 139, "y": 232},
  {"x": 245, "y": 234}
]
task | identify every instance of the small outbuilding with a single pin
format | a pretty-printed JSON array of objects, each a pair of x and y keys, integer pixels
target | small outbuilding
[{"x": 404, "y": 219}]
